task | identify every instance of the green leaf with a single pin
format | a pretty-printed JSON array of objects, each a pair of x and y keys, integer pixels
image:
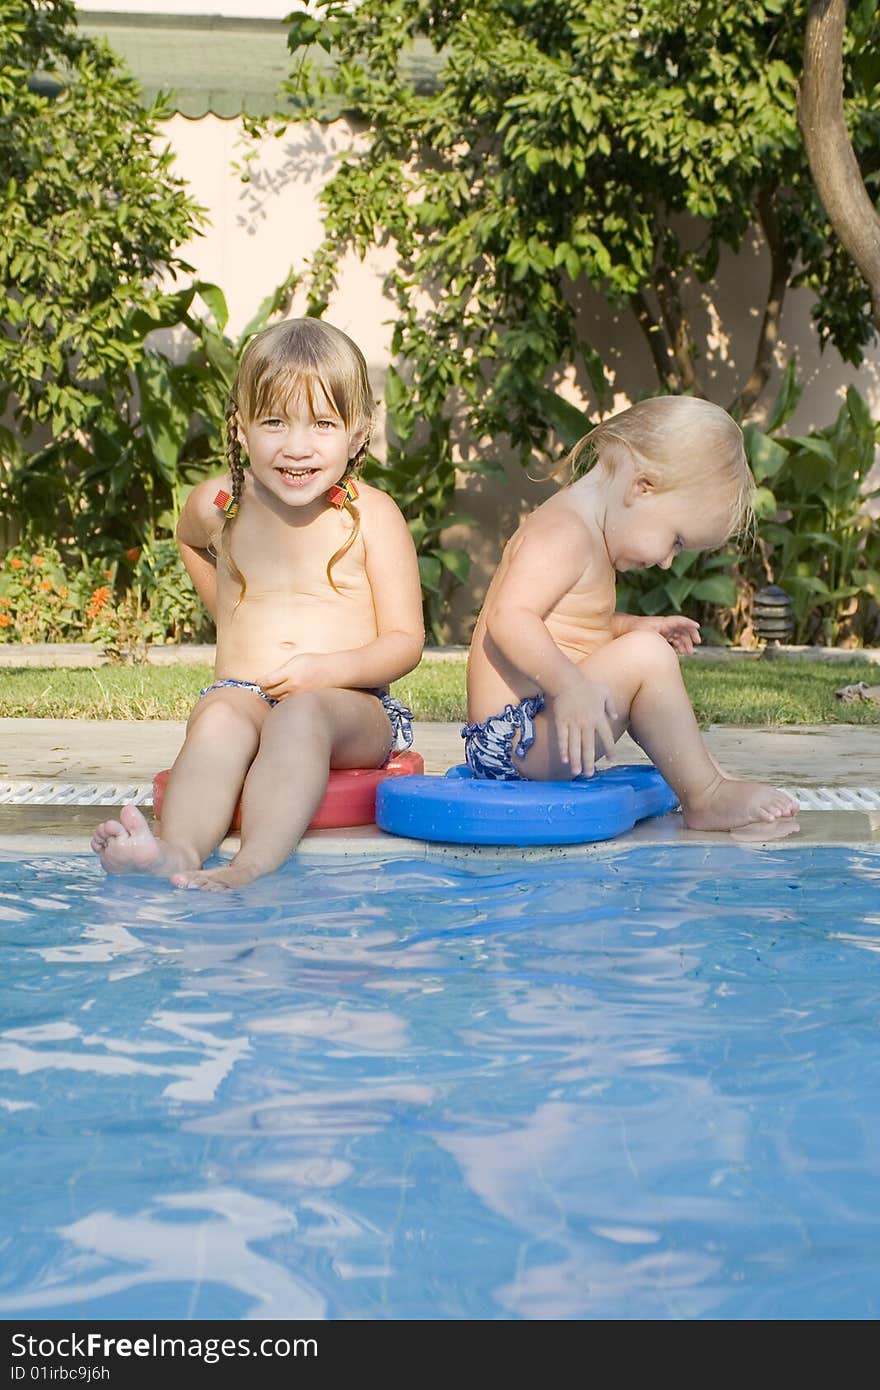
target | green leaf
[
  {"x": 787, "y": 397},
  {"x": 429, "y": 573},
  {"x": 303, "y": 30},
  {"x": 814, "y": 444},
  {"x": 273, "y": 304},
  {"x": 765, "y": 503},
  {"x": 765, "y": 456},
  {"x": 568, "y": 422},
  {"x": 678, "y": 589},
  {"x": 457, "y": 562},
  {"x": 857, "y": 406},
  {"x": 215, "y": 299},
  {"x": 716, "y": 588},
  {"x": 165, "y": 417}
]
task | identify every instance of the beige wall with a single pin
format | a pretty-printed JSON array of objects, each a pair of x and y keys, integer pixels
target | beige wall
[{"x": 261, "y": 228}]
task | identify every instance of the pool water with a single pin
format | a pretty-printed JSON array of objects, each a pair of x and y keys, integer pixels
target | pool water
[{"x": 644, "y": 1084}]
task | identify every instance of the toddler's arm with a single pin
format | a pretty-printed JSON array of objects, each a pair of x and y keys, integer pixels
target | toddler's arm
[
  {"x": 681, "y": 633},
  {"x": 194, "y": 536}
]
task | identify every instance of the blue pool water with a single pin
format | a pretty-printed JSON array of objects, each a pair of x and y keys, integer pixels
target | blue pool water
[{"x": 641, "y": 1085}]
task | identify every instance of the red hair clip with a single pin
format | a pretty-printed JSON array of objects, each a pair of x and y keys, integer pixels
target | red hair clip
[
  {"x": 226, "y": 503},
  {"x": 342, "y": 492}
]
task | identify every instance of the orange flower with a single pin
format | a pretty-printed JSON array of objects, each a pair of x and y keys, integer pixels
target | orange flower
[
  {"x": 134, "y": 553},
  {"x": 4, "y": 602},
  {"x": 64, "y": 591},
  {"x": 45, "y": 586},
  {"x": 97, "y": 601},
  {"x": 108, "y": 574},
  {"x": 4, "y": 619},
  {"x": 37, "y": 559},
  {"x": 16, "y": 563}
]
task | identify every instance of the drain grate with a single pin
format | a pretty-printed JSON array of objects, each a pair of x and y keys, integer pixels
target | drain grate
[
  {"x": 47, "y": 793},
  {"x": 836, "y": 798}
]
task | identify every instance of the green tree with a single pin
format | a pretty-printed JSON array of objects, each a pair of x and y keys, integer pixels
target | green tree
[
  {"x": 92, "y": 221},
  {"x": 92, "y": 214},
  {"x": 833, "y": 161},
  {"x": 620, "y": 143}
]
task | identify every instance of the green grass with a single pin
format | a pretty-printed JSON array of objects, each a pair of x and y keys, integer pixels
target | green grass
[
  {"x": 748, "y": 692},
  {"x": 778, "y": 692}
]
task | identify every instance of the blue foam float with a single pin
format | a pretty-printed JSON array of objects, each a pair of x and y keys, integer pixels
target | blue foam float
[{"x": 462, "y": 809}]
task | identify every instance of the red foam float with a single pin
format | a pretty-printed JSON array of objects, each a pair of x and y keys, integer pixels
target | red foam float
[{"x": 350, "y": 798}]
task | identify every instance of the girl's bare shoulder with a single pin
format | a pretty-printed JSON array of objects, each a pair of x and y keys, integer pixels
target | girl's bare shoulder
[
  {"x": 377, "y": 507},
  {"x": 201, "y": 518}
]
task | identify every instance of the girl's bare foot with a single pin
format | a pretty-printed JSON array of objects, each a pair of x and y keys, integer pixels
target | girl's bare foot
[
  {"x": 217, "y": 880},
  {"x": 128, "y": 846},
  {"x": 727, "y": 804}
]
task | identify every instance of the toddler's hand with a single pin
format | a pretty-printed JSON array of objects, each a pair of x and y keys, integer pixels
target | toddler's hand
[
  {"x": 305, "y": 671},
  {"x": 681, "y": 633},
  {"x": 582, "y": 712}
]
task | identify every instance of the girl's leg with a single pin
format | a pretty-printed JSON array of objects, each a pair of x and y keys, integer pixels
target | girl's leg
[
  {"x": 222, "y": 737},
  {"x": 643, "y": 673},
  {"x": 302, "y": 738}
]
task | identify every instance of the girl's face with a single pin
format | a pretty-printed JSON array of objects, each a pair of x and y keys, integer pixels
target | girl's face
[
  {"x": 650, "y": 527},
  {"x": 299, "y": 450}
]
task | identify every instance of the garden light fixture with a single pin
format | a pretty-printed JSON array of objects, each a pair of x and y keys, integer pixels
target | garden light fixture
[{"x": 772, "y": 616}]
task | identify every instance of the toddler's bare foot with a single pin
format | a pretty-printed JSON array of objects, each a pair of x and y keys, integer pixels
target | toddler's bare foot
[
  {"x": 764, "y": 831},
  {"x": 128, "y": 846},
  {"x": 727, "y": 804},
  {"x": 217, "y": 880}
]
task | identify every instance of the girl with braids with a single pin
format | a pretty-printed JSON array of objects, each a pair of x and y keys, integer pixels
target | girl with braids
[{"x": 312, "y": 579}]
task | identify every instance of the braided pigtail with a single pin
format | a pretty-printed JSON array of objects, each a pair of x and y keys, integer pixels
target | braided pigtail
[
  {"x": 236, "y": 469},
  {"x": 352, "y": 471}
]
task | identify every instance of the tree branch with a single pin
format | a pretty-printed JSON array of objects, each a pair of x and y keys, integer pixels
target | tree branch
[
  {"x": 832, "y": 160},
  {"x": 656, "y": 339},
  {"x": 780, "y": 271},
  {"x": 678, "y": 329}
]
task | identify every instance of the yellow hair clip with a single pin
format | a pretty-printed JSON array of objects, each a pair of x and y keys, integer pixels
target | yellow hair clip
[
  {"x": 343, "y": 491},
  {"x": 226, "y": 503}
]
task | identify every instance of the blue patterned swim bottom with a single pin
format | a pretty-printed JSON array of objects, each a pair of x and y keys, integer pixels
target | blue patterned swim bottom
[
  {"x": 488, "y": 747},
  {"x": 399, "y": 717},
  {"x": 238, "y": 685}
]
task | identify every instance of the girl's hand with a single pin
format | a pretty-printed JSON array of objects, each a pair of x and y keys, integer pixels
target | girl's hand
[
  {"x": 305, "y": 671},
  {"x": 582, "y": 713},
  {"x": 681, "y": 633}
]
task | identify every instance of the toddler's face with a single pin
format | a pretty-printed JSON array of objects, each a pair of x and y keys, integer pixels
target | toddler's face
[
  {"x": 653, "y": 527},
  {"x": 298, "y": 451}
]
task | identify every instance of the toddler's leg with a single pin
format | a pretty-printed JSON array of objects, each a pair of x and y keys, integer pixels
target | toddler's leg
[
  {"x": 303, "y": 737},
  {"x": 643, "y": 673},
  {"x": 221, "y": 739}
]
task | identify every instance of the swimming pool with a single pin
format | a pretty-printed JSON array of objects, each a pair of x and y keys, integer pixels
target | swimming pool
[{"x": 644, "y": 1084}]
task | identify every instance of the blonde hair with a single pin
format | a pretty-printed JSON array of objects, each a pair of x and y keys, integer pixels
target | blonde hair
[
  {"x": 299, "y": 359},
  {"x": 675, "y": 442}
]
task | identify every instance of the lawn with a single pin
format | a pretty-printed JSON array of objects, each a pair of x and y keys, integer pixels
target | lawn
[{"x": 723, "y": 692}]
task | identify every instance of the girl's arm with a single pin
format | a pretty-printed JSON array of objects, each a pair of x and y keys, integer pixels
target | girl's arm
[
  {"x": 393, "y": 573},
  {"x": 194, "y": 537}
]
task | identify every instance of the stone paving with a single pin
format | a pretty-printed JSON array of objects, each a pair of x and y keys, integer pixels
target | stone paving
[
  {"x": 838, "y": 755},
  {"x": 108, "y": 751}
]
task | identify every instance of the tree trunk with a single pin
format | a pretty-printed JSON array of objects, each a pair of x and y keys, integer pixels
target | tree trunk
[
  {"x": 832, "y": 159},
  {"x": 780, "y": 271}
]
